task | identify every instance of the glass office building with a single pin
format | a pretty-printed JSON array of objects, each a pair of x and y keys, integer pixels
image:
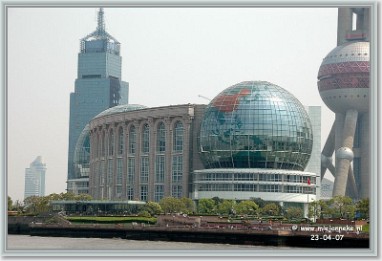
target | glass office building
[
  {"x": 98, "y": 87},
  {"x": 35, "y": 179}
]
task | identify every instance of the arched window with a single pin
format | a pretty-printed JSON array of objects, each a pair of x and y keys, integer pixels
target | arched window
[
  {"x": 146, "y": 139},
  {"x": 178, "y": 137},
  {"x": 132, "y": 140},
  {"x": 161, "y": 138},
  {"x": 121, "y": 141},
  {"x": 111, "y": 142}
]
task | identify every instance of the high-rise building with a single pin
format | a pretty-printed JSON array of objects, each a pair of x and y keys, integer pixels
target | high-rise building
[
  {"x": 343, "y": 83},
  {"x": 98, "y": 87},
  {"x": 314, "y": 163},
  {"x": 35, "y": 178}
]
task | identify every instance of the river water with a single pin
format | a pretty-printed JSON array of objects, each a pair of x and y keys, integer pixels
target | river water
[{"x": 25, "y": 244}]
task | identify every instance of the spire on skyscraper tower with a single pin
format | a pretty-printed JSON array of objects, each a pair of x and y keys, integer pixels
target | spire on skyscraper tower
[
  {"x": 101, "y": 22},
  {"x": 100, "y": 32}
]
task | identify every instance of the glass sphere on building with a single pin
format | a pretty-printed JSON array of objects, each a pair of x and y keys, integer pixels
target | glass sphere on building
[{"x": 255, "y": 124}]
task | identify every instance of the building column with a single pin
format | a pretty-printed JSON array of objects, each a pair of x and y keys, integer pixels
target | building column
[
  {"x": 327, "y": 153},
  {"x": 344, "y": 154}
]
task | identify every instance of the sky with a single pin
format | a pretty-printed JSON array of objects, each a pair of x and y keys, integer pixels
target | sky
[{"x": 169, "y": 56}]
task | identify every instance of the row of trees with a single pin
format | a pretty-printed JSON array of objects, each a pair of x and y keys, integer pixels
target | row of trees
[
  {"x": 217, "y": 206},
  {"x": 337, "y": 207},
  {"x": 38, "y": 205}
]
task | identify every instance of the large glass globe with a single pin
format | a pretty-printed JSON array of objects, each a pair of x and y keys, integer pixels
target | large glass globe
[{"x": 255, "y": 124}]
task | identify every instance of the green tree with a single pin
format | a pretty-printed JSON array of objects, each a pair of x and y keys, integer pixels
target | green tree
[
  {"x": 83, "y": 197},
  {"x": 271, "y": 209},
  {"x": 206, "y": 206},
  {"x": 261, "y": 203},
  {"x": 342, "y": 207},
  {"x": 362, "y": 207},
  {"x": 247, "y": 207},
  {"x": 171, "y": 205},
  {"x": 36, "y": 205},
  {"x": 10, "y": 203},
  {"x": 225, "y": 207},
  {"x": 294, "y": 213},
  {"x": 188, "y": 205},
  {"x": 152, "y": 208},
  {"x": 317, "y": 209}
]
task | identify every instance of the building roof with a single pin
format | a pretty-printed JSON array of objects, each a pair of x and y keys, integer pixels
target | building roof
[{"x": 120, "y": 108}]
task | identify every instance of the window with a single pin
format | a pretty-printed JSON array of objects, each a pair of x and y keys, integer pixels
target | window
[
  {"x": 111, "y": 143},
  {"x": 119, "y": 172},
  {"x": 177, "y": 169},
  {"x": 109, "y": 172},
  {"x": 121, "y": 141},
  {"x": 178, "y": 137},
  {"x": 176, "y": 191},
  {"x": 161, "y": 138},
  {"x": 146, "y": 139},
  {"x": 130, "y": 172},
  {"x": 159, "y": 192},
  {"x": 144, "y": 170},
  {"x": 269, "y": 188},
  {"x": 159, "y": 169},
  {"x": 144, "y": 192},
  {"x": 244, "y": 187},
  {"x": 132, "y": 140},
  {"x": 130, "y": 193}
]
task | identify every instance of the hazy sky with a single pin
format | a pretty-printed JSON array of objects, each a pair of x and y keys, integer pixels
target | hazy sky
[{"x": 169, "y": 56}]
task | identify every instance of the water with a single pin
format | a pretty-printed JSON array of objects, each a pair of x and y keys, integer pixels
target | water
[{"x": 32, "y": 244}]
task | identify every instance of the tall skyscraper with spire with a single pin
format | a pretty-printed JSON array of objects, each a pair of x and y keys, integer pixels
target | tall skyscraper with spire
[{"x": 98, "y": 87}]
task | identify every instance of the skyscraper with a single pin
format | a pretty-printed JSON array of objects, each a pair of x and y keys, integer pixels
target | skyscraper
[
  {"x": 35, "y": 178},
  {"x": 343, "y": 83},
  {"x": 98, "y": 87}
]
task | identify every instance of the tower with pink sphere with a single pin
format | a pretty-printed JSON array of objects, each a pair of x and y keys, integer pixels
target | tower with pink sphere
[{"x": 343, "y": 83}]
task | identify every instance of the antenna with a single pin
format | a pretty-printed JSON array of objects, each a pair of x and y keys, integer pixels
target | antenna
[
  {"x": 204, "y": 97},
  {"x": 101, "y": 22}
]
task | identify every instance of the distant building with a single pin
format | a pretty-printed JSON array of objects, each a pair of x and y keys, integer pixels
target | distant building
[
  {"x": 314, "y": 163},
  {"x": 35, "y": 178},
  {"x": 326, "y": 189},
  {"x": 98, "y": 87}
]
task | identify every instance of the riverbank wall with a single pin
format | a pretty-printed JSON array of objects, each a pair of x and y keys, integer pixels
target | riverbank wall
[{"x": 287, "y": 235}]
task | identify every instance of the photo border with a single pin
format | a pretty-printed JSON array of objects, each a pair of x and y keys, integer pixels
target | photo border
[{"x": 374, "y": 119}]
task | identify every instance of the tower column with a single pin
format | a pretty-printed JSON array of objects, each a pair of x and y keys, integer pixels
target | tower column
[
  {"x": 364, "y": 190},
  {"x": 327, "y": 152},
  {"x": 344, "y": 154},
  {"x": 345, "y": 20}
]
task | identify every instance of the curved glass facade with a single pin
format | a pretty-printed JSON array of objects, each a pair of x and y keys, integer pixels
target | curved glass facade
[
  {"x": 82, "y": 154},
  {"x": 256, "y": 124}
]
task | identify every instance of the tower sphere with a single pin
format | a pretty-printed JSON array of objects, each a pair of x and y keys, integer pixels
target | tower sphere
[
  {"x": 255, "y": 124},
  {"x": 343, "y": 78}
]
